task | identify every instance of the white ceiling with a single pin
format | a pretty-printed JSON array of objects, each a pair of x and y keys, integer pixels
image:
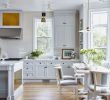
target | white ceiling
[{"x": 39, "y": 5}]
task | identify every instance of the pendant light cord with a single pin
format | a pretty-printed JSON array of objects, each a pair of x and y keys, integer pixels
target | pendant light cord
[{"x": 88, "y": 14}]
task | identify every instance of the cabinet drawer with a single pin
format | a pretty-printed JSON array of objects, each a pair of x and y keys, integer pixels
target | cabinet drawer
[
  {"x": 27, "y": 63},
  {"x": 29, "y": 75},
  {"x": 66, "y": 63},
  {"x": 41, "y": 62},
  {"x": 28, "y": 68}
]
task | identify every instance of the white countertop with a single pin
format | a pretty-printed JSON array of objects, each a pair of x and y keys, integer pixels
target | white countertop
[
  {"x": 8, "y": 63},
  {"x": 55, "y": 59}
]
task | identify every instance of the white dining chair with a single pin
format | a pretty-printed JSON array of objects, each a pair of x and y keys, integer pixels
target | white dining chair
[
  {"x": 66, "y": 83},
  {"x": 65, "y": 77},
  {"x": 99, "y": 84}
]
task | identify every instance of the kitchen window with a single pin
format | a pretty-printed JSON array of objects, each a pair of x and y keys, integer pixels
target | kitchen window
[
  {"x": 43, "y": 36},
  {"x": 99, "y": 26}
]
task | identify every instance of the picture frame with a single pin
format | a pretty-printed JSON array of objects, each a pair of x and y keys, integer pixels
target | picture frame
[{"x": 66, "y": 53}]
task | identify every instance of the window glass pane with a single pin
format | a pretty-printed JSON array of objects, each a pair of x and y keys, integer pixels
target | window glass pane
[
  {"x": 44, "y": 29},
  {"x": 44, "y": 36},
  {"x": 99, "y": 37},
  {"x": 102, "y": 52},
  {"x": 99, "y": 18},
  {"x": 45, "y": 44}
]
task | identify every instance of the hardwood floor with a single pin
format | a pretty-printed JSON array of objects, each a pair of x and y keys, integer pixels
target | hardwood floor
[{"x": 45, "y": 91}]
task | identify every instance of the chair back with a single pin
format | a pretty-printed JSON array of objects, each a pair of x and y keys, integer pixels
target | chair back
[{"x": 58, "y": 75}]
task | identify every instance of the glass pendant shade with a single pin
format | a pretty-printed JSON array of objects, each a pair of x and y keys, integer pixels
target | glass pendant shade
[{"x": 43, "y": 18}]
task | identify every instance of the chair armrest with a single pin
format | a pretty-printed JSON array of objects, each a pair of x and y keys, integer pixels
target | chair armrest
[{"x": 102, "y": 85}]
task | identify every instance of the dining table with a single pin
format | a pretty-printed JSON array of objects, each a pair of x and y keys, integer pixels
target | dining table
[{"x": 82, "y": 68}]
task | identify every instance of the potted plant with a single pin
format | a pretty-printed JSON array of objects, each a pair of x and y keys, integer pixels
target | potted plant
[
  {"x": 36, "y": 53},
  {"x": 93, "y": 55}
]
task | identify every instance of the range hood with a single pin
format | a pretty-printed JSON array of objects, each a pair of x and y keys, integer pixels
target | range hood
[{"x": 10, "y": 33}]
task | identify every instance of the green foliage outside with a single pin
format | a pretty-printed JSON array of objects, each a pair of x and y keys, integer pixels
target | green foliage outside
[{"x": 96, "y": 56}]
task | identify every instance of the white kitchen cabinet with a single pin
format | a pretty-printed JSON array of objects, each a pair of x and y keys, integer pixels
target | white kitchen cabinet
[
  {"x": 51, "y": 73},
  {"x": 41, "y": 72},
  {"x": 64, "y": 24},
  {"x": 44, "y": 69},
  {"x": 39, "y": 69}
]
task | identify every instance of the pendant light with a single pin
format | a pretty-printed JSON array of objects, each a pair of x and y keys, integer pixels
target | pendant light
[
  {"x": 43, "y": 18},
  {"x": 87, "y": 28},
  {"x": 43, "y": 14}
]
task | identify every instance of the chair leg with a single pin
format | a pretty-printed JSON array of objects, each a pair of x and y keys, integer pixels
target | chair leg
[
  {"x": 76, "y": 93},
  {"x": 94, "y": 96},
  {"x": 88, "y": 96},
  {"x": 60, "y": 91},
  {"x": 108, "y": 97}
]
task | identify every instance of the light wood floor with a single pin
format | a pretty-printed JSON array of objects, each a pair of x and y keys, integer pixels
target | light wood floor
[{"x": 45, "y": 91}]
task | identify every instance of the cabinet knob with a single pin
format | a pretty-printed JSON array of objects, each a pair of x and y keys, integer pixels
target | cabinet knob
[{"x": 27, "y": 63}]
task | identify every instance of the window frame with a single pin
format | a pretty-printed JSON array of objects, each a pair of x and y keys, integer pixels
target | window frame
[
  {"x": 100, "y": 25},
  {"x": 34, "y": 35}
]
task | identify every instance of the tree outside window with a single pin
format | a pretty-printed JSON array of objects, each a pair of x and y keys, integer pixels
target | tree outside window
[{"x": 99, "y": 26}]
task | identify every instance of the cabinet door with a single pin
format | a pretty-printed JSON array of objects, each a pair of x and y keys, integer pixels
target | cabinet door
[
  {"x": 51, "y": 72},
  {"x": 69, "y": 36},
  {"x": 64, "y": 31},
  {"x": 41, "y": 72}
]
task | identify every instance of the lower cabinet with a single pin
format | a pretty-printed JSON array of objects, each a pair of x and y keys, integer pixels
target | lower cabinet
[
  {"x": 44, "y": 69},
  {"x": 38, "y": 70}
]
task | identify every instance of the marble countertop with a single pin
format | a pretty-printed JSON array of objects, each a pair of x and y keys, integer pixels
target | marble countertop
[{"x": 8, "y": 63}]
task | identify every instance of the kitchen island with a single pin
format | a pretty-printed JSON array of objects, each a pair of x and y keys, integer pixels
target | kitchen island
[{"x": 11, "y": 79}]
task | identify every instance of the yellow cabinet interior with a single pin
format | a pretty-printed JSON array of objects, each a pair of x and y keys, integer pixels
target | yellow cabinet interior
[{"x": 10, "y": 19}]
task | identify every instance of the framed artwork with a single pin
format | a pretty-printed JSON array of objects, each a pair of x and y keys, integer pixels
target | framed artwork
[{"x": 67, "y": 53}]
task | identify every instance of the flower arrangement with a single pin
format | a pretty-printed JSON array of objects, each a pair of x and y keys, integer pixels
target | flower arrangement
[{"x": 93, "y": 55}]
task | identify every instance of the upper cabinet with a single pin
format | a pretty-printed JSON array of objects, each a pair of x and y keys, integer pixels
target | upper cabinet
[
  {"x": 64, "y": 29},
  {"x": 10, "y": 19}
]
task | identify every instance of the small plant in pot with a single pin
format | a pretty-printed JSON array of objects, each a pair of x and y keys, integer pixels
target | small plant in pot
[{"x": 36, "y": 54}]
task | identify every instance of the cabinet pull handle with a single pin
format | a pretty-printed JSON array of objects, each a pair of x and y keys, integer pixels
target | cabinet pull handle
[
  {"x": 64, "y": 23},
  {"x": 45, "y": 67},
  {"x": 69, "y": 67}
]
